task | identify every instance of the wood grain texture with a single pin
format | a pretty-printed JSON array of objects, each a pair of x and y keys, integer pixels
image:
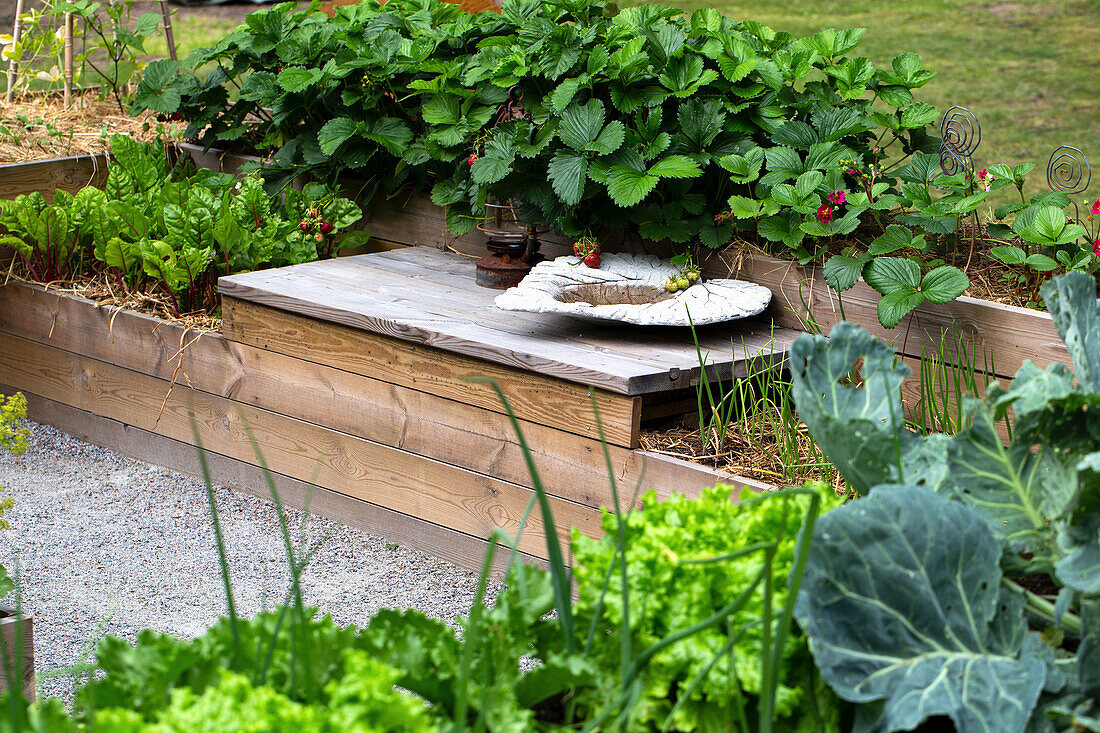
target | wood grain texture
[
  {"x": 572, "y": 467},
  {"x": 1009, "y": 335},
  {"x": 404, "y": 482},
  {"x": 17, "y": 632},
  {"x": 463, "y": 550},
  {"x": 534, "y": 398},
  {"x": 427, "y": 297},
  {"x": 47, "y": 176}
]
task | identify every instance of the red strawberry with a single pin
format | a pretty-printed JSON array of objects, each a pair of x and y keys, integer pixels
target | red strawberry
[
  {"x": 303, "y": 225},
  {"x": 326, "y": 227},
  {"x": 472, "y": 159},
  {"x": 593, "y": 259}
]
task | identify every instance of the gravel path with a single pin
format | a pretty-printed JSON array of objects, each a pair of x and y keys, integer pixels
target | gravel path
[{"x": 103, "y": 539}]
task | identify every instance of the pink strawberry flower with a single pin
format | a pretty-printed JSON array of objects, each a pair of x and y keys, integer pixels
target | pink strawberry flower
[
  {"x": 1096, "y": 208},
  {"x": 824, "y": 213},
  {"x": 1096, "y": 248},
  {"x": 985, "y": 180},
  {"x": 837, "y": 197}
]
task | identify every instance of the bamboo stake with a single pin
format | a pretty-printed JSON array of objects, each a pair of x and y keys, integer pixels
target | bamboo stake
[
  {"x": 17, "y": 35},
  {"x": 68, "y": 59},
  {"x": 168, "y": 29}
]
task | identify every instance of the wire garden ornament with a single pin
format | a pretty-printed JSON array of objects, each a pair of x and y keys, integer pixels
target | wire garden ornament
[
  {"x": 960, "y": 135},
  {"x": 1068, "y": 172}
]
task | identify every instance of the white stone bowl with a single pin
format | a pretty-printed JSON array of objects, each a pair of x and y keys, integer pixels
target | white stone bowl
[{"x": 631, "y": 289}]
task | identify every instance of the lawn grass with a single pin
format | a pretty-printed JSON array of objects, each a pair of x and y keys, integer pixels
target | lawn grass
[{"x": 1029, "y": 70}]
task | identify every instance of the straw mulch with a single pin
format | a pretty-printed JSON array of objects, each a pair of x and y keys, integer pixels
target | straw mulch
[
  {"x": 753, "y": 458},
  {"x": 38, "y": 127},
  {"x": 103, "y": 291}
]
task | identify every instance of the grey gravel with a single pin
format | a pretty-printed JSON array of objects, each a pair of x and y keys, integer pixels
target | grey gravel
[{"x": 103, "y": 541}]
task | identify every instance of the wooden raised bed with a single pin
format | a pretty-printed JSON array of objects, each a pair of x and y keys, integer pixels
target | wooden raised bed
[
  {"x": 47, "y": 176},
  {"x": 1008, "y": 334},
  {"x": 390, "y": 433},
  {"x": 16, "y": 635}
]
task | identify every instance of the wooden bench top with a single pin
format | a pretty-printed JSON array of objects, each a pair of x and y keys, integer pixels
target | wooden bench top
[{"x": 426, "y": 296}]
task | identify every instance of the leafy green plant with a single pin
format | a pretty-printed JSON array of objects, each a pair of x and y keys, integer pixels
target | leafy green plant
[
  {"x": 610, "y": 657},
  {"x": 119, "y": 40},
  {"x": 756, "y": 413},
  {"x": 642, "y": 118},
  {"x": 169, "y": 228},
  {"x": 949, "y": 522}
]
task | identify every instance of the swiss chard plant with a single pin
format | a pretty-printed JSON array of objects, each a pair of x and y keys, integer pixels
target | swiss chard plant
[
  {"x": 937, "y": 554},
  {"x": 179, "y": 230}
]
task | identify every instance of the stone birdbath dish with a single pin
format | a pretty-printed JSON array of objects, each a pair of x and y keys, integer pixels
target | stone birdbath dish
[{"x": 631, "y": 289}]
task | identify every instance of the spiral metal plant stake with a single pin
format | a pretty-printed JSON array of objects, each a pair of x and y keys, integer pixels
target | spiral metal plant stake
[
  {"x": 960, "y": 135},
  {"x": 1068, "y": 172}
]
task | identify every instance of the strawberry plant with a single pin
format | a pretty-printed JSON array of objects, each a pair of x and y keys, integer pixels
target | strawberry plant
[{"x": 644, "y": 119}]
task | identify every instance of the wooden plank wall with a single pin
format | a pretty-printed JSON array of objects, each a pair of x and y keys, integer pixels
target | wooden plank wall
[
  {"x": 1006, "y": 334},
  {"x": 404, "y": 458},
  {"x": 9, "y": 625},
  {"x": 47, "y": 176}
]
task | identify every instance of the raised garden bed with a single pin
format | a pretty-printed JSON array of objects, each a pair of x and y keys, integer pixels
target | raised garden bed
[
  {"x": 17, "y": 635},
  {"x": 395, "y": 439}
]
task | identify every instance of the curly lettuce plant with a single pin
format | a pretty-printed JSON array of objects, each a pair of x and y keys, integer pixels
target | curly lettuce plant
[{"x": 928, "y": 557}]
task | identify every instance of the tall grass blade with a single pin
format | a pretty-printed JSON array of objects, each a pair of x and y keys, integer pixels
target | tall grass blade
[
  {"x": 219, "y": 540},
  {"x": 561, "y": 578}
]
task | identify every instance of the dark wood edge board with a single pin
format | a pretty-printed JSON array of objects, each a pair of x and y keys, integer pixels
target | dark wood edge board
[{"x": 46, "y": 176}]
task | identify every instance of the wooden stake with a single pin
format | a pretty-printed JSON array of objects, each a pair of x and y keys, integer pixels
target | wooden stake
[
  {"x": 68, "y": 59},
  {"x": 17, "y": 35},
  {"x": 164, "y": 11}
]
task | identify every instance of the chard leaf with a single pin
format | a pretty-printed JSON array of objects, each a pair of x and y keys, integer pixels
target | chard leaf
[{"x": 902, "y": 603}]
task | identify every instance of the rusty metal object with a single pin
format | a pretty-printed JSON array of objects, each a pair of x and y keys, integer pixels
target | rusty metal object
[{"x": 513, "y": 246}]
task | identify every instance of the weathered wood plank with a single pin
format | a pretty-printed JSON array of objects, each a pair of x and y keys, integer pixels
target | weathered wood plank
[
  {"x": 463, "y": 550},
  {"x": 572, "y": 467},
  {"x": 468, "y": 502},
  {"x": 420, "y": 307},
  {"x": 47, "y": 176},
  {"x": 449, "y": 280},
  {"x": 17, "y": 633},
  {"x": 1008, "y": 334},
  {"x": 534, "y": 398}
]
